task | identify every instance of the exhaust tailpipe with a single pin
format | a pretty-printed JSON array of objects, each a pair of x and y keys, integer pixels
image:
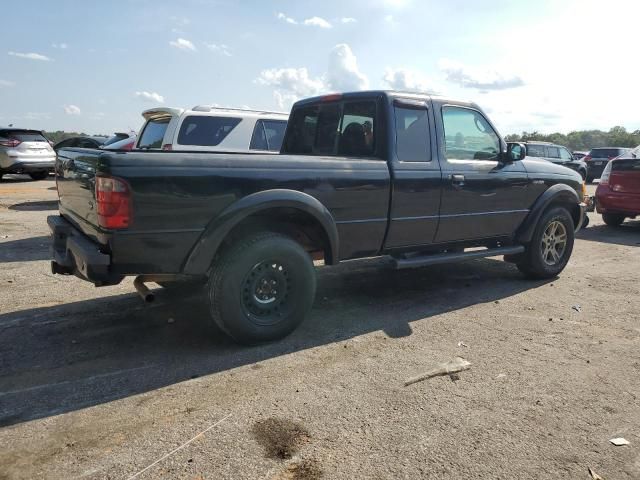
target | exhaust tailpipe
[{"x": 146, "y": 294}]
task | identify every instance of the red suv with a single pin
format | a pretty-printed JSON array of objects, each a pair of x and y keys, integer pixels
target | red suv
[{"x": 618, "y": 194}]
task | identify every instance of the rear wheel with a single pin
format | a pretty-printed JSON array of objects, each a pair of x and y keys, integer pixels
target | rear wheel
[
  {"x": 39, "y": 175},
  {"x": 261, "y": 289},
  {"x": 613, "y": 220},
  {"x": 551, "y": 245}
]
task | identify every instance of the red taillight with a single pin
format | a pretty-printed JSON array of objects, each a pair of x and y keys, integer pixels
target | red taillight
[
  {"x": 12, "y": 142},
  {"x": 167, "y": 147},
  {"x": 129, "y": 146},
  {"x": 606, "y": 174},
  {"x": 113, "y": 202},
  {"x": 587, "y": 158}
]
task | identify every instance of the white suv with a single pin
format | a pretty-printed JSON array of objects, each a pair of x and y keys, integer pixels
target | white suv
[{"x": 210, "y": 129}]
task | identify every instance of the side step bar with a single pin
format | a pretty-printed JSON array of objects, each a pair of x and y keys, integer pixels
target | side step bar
[{"x": 437, "y": 258}]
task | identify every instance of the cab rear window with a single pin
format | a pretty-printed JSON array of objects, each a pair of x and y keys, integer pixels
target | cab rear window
[
  {"x": 153, "y": 133},
  {"x": 605, "y": 152},
  {"x": 204, "y": 131}
]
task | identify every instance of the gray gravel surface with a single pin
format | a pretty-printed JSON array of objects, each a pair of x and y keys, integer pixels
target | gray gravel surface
[{"x": 95, "y": 384}]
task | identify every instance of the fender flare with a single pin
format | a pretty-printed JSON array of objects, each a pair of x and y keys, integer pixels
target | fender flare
[
  {"x": 558, "y": 193},
  {"x": 201, "y": 256}
]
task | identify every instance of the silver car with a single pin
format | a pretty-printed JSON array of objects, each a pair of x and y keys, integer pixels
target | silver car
[{"x": 25, "y": 151}]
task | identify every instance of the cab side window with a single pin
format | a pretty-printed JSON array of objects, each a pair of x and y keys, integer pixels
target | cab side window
[
  {"x": 536, "y": 151},
  {"x": 553, "y": 152},
  {"x": 468, "y": 135},
  {"x": 413, "y": 138}
]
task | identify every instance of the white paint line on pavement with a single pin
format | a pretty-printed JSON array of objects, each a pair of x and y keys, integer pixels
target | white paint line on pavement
[{"x": 180, "y": 447}]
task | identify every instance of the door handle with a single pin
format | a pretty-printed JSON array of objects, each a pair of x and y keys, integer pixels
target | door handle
[{"x": 457, "y": 180}]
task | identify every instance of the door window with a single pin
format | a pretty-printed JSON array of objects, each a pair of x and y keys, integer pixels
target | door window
[
  {"x": 413, "y": 139},
  {"x": 357, "y": 133},
  {"x": 468, "y": 135}
]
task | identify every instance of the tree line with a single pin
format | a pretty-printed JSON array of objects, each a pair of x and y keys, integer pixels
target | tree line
[{"x": 582, "y": 139}]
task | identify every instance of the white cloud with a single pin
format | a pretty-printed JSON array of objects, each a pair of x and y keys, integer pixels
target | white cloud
[
  {"x": 62, "y": 46},
  {"x": 317, "y": 22},
  {"x": 282, "y": 16},
  {"x": 406, "y": 79},
  {"x": 31, "y": 56},
  {"x": 291, "y": 84},
  {"x": 72, "y": 110},
  {"x": 479, "y": 78},
  {"x": 309, "y": 22},
  {"x": 348, "y": 20},
  {"x": 390, "y": 19},
  {"x": 343, "y": 73},
  {"x": 6, "y": 83},
  {"x": 219, "y": 48},
  {"x": 153, "y": 97},
  {"x": 293, "y": 80},
  {"x": 183, "y": 44}
]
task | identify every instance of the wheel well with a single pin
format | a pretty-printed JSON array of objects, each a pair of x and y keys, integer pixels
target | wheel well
[
  {"x": 572, "y": 208},
  {"x": 301, "y": 226}
]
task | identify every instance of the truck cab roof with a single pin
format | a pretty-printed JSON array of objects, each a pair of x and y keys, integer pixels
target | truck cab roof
[{"x": 362, "y": 94}]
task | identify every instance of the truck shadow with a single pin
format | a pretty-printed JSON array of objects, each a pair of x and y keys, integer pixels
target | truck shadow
[
  {"x": 25, "y": 249},
  {"x": 35, "y": 206},
  {"x": 627, "y": 234},
  {"x": 61, "y": 359}
]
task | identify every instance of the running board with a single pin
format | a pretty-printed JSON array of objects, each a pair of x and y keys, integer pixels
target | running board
[{"x": 438, "y": 258}]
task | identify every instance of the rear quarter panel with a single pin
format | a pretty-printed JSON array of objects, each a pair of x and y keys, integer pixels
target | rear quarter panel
[{"x": 177, "y": 194}]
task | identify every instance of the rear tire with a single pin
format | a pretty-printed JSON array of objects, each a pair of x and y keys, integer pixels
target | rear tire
[
  {"x": 261, "y": 288},
  {"x": 550, "y": 247},
  {"x": 613, "y": 220},
  {"x": 39, "y": 175}
]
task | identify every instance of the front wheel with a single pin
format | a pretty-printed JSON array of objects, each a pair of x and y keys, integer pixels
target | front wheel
[
  {"x": 550, "y": 247},
  {"x": 261, "y": 288},
  {"x": 612, "y": 220}
]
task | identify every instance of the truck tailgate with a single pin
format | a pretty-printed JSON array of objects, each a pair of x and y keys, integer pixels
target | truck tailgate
[{"x": 75, "y": 177}]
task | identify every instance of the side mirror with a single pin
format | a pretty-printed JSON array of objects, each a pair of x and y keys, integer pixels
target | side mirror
[{"x": 515, "y": 152}]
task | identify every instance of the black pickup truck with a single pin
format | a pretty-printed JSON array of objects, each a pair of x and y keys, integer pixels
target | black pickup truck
[{"x": 422, "y": 179}]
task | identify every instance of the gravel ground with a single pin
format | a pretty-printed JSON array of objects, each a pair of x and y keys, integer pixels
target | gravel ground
[{"x": 95, "y": 384}]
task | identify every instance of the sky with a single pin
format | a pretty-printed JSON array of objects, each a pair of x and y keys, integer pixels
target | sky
[{"x": 94, "y": 66}]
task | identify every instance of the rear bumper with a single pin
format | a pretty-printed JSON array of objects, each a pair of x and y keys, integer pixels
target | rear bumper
[
  {"x": 74, "y": 254},
  {"x": 615, "y": 202},
  {"x": 28, "y": 167}
]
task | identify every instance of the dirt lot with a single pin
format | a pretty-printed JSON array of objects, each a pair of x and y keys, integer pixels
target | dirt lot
[{"x": 95, "y": 384}]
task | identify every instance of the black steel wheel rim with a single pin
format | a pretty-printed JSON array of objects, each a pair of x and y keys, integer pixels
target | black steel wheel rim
[{"x": 266, "y": 292}]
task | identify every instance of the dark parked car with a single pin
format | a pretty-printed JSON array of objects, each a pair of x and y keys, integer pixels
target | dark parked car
[
  {"x": 421, "y": 179},
  {"x": 618, "y": 193},
  {"x": 90, "y": 142},
  {"x": 597, "y": 159},
  {"x": 556, "y": 154}
]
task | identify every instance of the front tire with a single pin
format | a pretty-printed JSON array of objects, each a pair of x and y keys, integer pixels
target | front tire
[
  {"x": 261, "y": 288},
  {"x": 551, "y": 245},
  {"x": 612, "y": 220}
]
